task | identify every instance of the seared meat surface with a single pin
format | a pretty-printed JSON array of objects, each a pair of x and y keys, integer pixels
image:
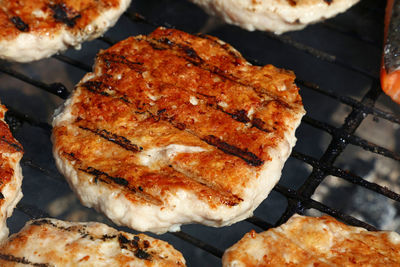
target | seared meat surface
[
  {"x": 174, "y": 128},
  {"x": 51, "y": 242},
  {"x": 32, "y": 30},
  {"x": 309, "y": 241},
  {"x": 10, "y": 173}
]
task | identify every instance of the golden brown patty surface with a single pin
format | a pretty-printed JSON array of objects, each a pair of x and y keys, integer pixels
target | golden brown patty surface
[
  {"x": 31, "y": 30},
  {"x": 309, "y": 241},
  {"x": 174, "y": 128},
  {"x": 51, "y": 242},
  {"x": 10, "y": 173}
]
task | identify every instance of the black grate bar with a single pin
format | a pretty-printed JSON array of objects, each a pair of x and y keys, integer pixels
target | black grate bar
[
  {"x": 295, "y": 199},
  {"x": 198, "y": 243},
  {"x": 351, "y": 33},
  {"x": 351, "y": 102},
  {"x": 73, "y": 62},
  {"x": 15, "y": 118},
  {"x": 136, "y": 17},
  {"x": 319, "y": 54},
  {"x": 259, "y": 222},
  {"x": 108, "y": 40},
  {"x": 54, "y": 88},
  {"x": 29, "y": 163},
  {"x": 346, "y": 175},
  {"x": 312, "y": 204},
  {"x": 32, "y": 211},
  {"x": 336, "y": 146},
  {"x": 351, "y": 139}
]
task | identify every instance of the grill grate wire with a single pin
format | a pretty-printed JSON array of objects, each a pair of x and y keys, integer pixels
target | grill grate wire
[{"x": 298, "y": 200}]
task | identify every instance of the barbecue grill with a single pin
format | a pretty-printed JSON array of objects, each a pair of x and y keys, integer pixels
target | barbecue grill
[{"x": 345, "y": 163}]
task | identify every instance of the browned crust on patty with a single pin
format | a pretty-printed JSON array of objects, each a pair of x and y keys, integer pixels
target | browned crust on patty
[
  {"x": 8, "y": 146},
  {"x": 310, "y": 241},
  {"x": 84, "y": 243},
  {"x": 175, "y": 88},
  {"x": 22, "y": 16}
]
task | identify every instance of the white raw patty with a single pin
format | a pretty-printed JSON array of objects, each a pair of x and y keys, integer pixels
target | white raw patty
[{"x": 278, "y": 16}]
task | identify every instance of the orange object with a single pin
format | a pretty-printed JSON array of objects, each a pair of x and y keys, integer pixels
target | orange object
[
  {"x": 390, "y": 75},
  {"x": 390, "y": 83}
]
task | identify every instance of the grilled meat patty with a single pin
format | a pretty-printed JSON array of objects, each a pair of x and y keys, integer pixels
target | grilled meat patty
[
  {"x": 10, "y": 173},
  {"x": 309, "y": 241},
  {"x": 278, "y": 16},
  {"x": 51, "y": 242},
  {"x": 31, "y": 30},
  {"x": 174, "y": 128}
]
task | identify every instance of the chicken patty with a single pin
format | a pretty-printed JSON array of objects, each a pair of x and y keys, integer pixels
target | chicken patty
[
  {"x": 309, "y": 241},
  {"x": 277, "y": 16},
  {"x": 173, "y": 128},
  {"x": 50, "y": 242},
  {"x": 32, "y": 30}
]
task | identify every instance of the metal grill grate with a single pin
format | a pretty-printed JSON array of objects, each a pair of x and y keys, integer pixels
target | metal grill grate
[{"x": 311, "y": 163}]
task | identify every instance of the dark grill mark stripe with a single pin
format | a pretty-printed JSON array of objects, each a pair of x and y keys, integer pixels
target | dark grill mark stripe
[
  {"x": 16, "y": 146},
  {"x": 80, "y": 229},
  {"x": 64, "y": 14},
  {"x": 99, "y": 87},
  {"x": 119, "y": 59},
  {"x": 133, "y": 244},
  {"x": 19, "y": 24},
  {"x": 107, "y": 179},
  {"x": 95, "y": 87},
  {"x": 99, "y": 175},
  {"x": 124, "y": 243},
  {"x": 102, "y": 176},
  {"x": 247, "y": 156},
  {"x": 23, "y": 260},
  {"x": 228, "y": 199},
  {"x": 229, "y": 49},
  {"x": 116, "y": 139},
  {"x": 238, "y": 115},
  {"x": 199, "y": 62}
]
